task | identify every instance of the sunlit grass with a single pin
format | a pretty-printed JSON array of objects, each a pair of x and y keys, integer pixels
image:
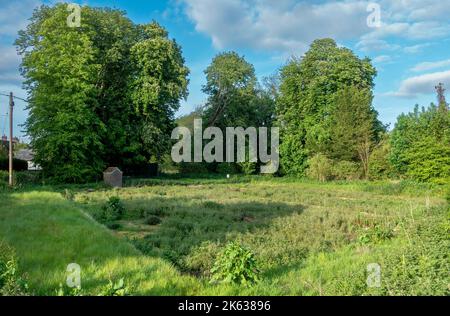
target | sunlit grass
[{"x": 309, "y": 238}]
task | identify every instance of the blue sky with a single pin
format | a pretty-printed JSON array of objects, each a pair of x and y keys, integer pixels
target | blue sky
[{"x": 410, "y": 48}]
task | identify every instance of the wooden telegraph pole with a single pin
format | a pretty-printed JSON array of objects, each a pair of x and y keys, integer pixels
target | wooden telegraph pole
[{"x": 11, "y": 106}]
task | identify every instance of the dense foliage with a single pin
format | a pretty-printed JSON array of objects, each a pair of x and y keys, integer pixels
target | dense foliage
[
  {"x": 11, "y": 282},
  {"x": 106, "y": 93},
  {"x": 101, "y": 94},
  {"x": 236, "y": 264},
  {"x": 324, "y": 96},
  {"x": 421, "y": 144}
]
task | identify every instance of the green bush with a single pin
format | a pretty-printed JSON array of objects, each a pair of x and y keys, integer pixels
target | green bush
[
  {"x": 20, "y": 178},
  {"x": 11, "y": 283},
  {"x": 376, "y": 234},
  {"x": 152, "y": 220},
  {"x": 113, "y": 210},
  {"x": 421, "y": 269},
  {"x": 380, "y": 166},
  {"x": 346, "y": 170},
  {"x": 429, "y": 161},
  {"x": 235, "y": 264},
  {"x": 248, "y": 168},
  {"x": 320, "y": 168}
]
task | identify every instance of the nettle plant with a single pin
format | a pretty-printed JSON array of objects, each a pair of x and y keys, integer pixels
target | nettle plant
[{"x": 236, "y": 264}]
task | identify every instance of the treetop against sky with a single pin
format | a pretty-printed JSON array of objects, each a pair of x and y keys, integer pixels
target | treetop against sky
[{"x": 409, "y": 47}]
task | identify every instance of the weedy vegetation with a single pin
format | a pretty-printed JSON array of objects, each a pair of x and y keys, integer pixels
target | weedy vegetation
[{"x": 238, "y": 236}]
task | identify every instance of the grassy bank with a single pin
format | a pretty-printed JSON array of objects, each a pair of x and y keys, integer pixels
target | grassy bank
[{"x": 308, "y": 238}]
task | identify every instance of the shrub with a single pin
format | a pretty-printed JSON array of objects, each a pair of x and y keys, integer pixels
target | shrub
[
  {"x": 377, "y": 234},
  {"x": 236, "y": 264},
  {"x": 380, "y": 166},
  {"x": 21, "y": 178},
  {"x": 346, "y": 170},
  {"x": 429, "y": 161},
  {"x": 420, "y": 269},
  {"x": 113, "y": 210},
  {"x": 319, "y": 168},
  {"x": 11, "y": 283},
  {"x": 152, "y": 220},
  {"x": 248, "y": 168}
]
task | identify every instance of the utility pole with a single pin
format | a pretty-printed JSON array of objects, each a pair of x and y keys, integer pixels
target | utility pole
[{"x": 11, "y": 106}]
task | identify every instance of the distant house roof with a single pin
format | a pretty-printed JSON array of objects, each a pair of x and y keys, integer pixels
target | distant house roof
[
  {"x": 5, "y": 140},
  {"x": 25, "y": 154}
]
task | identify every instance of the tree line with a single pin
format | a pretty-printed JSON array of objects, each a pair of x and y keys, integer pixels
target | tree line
[{"x": 106, "y": 94}]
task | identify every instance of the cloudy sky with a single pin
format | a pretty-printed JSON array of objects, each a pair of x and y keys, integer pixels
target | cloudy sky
[{"x": 409, "y": 47}]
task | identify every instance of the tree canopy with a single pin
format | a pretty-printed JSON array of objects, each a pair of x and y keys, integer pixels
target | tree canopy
[
  {"x": 421, "y": 144},
  {"x": 306, "y": 106},
  {"x": 104, "y": 93}
]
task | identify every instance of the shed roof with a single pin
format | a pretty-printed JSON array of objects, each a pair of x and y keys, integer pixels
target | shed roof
[{"x": 112, "y": 169}]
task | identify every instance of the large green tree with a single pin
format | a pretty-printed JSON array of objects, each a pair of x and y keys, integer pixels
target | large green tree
[
  {"x": 231, "y": 88},
  {"x": 235, "y": 97},
  {"x": 100, "y": 94},
  {"x": 307, "y": 99},
  {"x": 354, "y": 127}
]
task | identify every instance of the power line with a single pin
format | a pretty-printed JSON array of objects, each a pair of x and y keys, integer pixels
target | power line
[{"x": 18, "y": 98}]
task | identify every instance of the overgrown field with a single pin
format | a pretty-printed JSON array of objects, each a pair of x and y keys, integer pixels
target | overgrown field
[{"x": 308, "y": 238}]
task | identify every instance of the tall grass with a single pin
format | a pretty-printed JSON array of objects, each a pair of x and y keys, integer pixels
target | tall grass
[{"x": 308, "y": 238}]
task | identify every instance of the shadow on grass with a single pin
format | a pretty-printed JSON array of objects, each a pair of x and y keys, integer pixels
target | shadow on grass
[{"x": 187, "y": 224}]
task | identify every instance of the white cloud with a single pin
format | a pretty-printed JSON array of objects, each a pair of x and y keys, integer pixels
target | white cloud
[
  {"x": 14, "y": 15},
  {"x": 382, "y": 59},
  {"x": 429, "y": 65},
  {"x": 290, "y": 25},
  {"x": 367, "y": 45},
  {"x": 285, "y": 25},
  {"x": 423, "y": 84},
  {"x": 414, "y": 49},
  {"x": 9, "y": 58},
  {"x": 430, "y": 9}
]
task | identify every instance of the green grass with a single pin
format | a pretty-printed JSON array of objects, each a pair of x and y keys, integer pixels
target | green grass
[{"x": 309, "y": 238}]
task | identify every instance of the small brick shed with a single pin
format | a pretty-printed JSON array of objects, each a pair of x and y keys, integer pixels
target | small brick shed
[{"x": 113, "y": 177}]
